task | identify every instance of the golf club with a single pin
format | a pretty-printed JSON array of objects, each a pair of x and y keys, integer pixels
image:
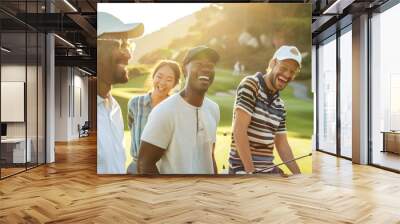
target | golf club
[{"x": 268, "y": 168}]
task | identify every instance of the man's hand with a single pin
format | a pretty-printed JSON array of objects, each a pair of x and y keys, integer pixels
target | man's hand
[{"x": 282, "y": 173}]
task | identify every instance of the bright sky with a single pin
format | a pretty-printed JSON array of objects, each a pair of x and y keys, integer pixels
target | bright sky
[{"x": 153, "y": 15}]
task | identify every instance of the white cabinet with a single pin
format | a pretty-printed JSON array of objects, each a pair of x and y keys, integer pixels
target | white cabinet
[{"x": 18, "y": 149}]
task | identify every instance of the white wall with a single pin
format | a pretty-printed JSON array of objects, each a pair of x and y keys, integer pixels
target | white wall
[
  {"x": 61, "y": 103},
  {"x": 13, "y": 73},
  {"x": 82, "y": 83},
  {"x": 71, "y": 93}
]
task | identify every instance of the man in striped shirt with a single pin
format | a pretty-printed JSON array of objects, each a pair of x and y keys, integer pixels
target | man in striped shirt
[{"x": 259, "y": 119}]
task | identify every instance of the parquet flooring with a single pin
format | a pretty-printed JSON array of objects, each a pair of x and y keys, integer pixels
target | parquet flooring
[
  {"x": 10, "y": 171},
  {"x": 70, "y": 191}
]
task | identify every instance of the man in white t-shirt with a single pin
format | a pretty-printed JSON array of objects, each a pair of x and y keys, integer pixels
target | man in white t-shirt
[
  {"x": 113, "y": 56},
  {"x": 180, "y": 134}
]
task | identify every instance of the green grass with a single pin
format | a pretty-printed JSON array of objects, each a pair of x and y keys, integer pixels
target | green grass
[
  {"x": 299, "y": 116},
  {"x": 136, "y": 82},
  {"x": 224, "y": 81}
]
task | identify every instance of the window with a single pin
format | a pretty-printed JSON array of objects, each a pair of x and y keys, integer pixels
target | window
[
  {"x": 327, "y": 96},
  {"x": 23, "y": 76},
  {"x": 346, "y": 94},
  {"x": 385, "y": 86}
]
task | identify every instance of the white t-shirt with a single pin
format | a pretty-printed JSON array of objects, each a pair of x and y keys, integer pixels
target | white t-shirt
[
  {"x": 186, "y": 132},
  {"x": 110, "y": 138}
]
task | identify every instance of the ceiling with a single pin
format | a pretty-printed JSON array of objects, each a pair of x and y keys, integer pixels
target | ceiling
[
  {"x": 75, "y": 22},
  {"x": 331, "y": 15}
]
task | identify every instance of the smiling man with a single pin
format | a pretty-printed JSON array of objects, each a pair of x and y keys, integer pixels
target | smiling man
[
  {"x": 259, "y": 120},
  {"x": 180, "y": 134},
  {"x": 113, "y": 56}
]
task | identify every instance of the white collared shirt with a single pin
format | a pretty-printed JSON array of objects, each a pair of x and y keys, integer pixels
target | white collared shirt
[{"x": 110, "y": 137}]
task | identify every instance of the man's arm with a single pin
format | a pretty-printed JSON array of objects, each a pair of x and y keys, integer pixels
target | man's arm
[
  {"x": 240, "y": 126},
  {"x": 148, "y": 157},
  {"x": 133, "y": 146},
  {"x": 285, "y": 152},
  {"x": 214, "y": 162}
]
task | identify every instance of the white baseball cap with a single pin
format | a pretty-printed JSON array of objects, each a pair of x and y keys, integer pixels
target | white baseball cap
[
  {"x": 110, "y": 27},
  {"x": 288, "y": 52}
]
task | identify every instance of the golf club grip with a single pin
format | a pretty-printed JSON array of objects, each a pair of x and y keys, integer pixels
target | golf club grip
[{"x": 268, "y": 168}]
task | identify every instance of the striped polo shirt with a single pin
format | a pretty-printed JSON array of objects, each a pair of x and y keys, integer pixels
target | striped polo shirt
[{"x": 268, "y": 117}]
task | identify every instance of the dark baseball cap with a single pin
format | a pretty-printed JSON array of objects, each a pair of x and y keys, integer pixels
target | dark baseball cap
[{"x": 201, "y": 50}]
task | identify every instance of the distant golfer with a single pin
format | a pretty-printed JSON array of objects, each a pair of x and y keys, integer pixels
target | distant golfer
[
  {"x": 180, "y": 134},
  {"x": 113, "y": 56},
  {"x": 259, "y": 120}
]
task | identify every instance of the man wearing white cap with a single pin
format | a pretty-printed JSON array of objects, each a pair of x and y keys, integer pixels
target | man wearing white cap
[
  {"x": 259, "y": 120},
  {"x": 112, "y": 56}
]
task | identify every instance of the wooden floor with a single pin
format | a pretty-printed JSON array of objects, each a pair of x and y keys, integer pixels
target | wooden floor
[
  {"x": 10, "y": 171},
  {"x": 387, "y": 159},
  {"x": 69, "y": 191}
]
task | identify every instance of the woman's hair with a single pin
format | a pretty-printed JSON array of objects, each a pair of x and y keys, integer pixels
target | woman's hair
[{"x": 172, "y": 64}]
